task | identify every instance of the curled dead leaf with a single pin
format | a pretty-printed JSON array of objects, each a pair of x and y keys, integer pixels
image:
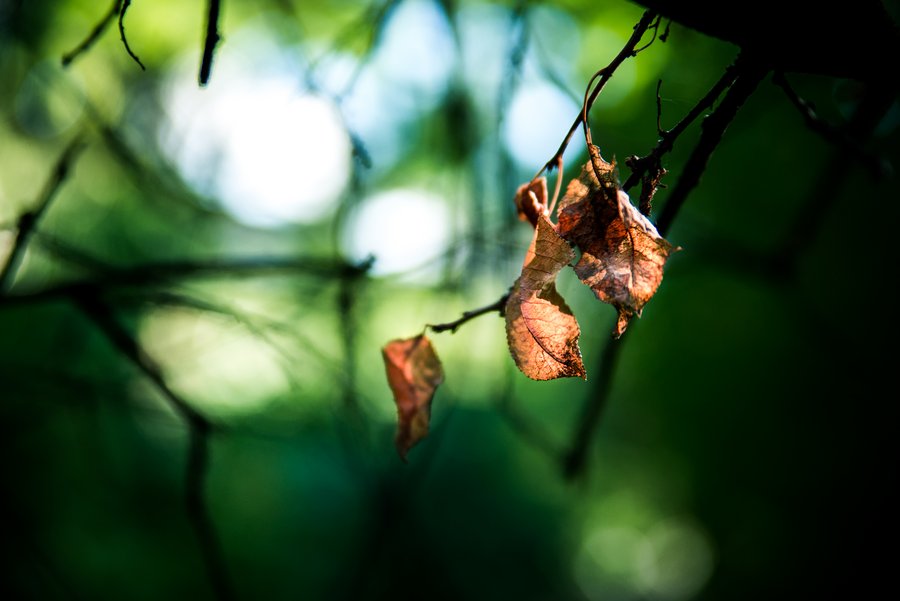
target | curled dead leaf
[
  {"x": 542, "y": 334},
  {"x": 531, "y": 200},
  {"x": 622, "y": 254},
  {"x": 414, "y": 372}
]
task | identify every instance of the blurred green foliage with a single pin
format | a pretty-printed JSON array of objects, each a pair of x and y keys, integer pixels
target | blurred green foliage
[{"x": 748, "y": 448}]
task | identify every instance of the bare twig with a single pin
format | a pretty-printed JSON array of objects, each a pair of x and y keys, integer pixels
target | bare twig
[
  {"x": 659, "y": 129},
  {"x": 648, "y": 168},
  {"x": 210, "y": 40},
  {"x": 825, "y": 192},
  {"x": 529, "y": 430},
  {"x": 603, "y": 75},
  {"x": 655, "y": 28},
  {"x": 498, "y": 305},
  {"x": 877, "y": 166},
  {"x": 713, "y": 128},
  {"x": 199, "y": 429},
  {"x": 122, "y": 12},
  {"x": 94, "y": 35},
  {"x": 28, "y": 221},
  {"x": 664, "y": 37},
  {"x": 346, "y": 305}
]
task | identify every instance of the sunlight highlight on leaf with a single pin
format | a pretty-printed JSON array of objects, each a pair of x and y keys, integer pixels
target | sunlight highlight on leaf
[
  {"x": 541, "y": 331},
  {"x": 622, "y": 253}
]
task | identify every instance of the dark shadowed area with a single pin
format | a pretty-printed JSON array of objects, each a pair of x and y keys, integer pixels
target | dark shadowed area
[{"x": 214, "y": 216}]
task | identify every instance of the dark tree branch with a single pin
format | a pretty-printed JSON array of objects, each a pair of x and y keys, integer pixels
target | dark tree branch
[
  {"x": 28, "y": 221},
  {"x": 94, "y": 35},
  {"x": 826, "y": 191},
  {"x": 346, "y": 305},
  {"x": 210, "y": 41},
  {"x": 371, "y": 21},
  {"x": 122, "y": 12},
  {"x": 575, "y": 460},
  {"x": 102, "y": 316},
  {"x": 741, "y": 80},
  {"x": 604, "y": 76},
  {"x": 878, "y": 167},
  {"x": 199, "y": 429},
  {"x": 713, "y": 128},
  {"x": 648, "y": 169},
  {"x": 529, "y": 430},
  {"x": 655, "y": 27},
  {"x": 664, "y": 37},
  {"x": 499, "y": 306},
  {"x": 154, "y": 274},
  {"x": 195, "y": 477},
  {"x": 659, "y": 129}
]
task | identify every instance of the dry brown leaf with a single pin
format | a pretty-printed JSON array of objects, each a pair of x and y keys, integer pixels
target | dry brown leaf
[
  {"x": 622, "y": 253},
  {"x": 541, "y": 331},
  {"x": 413, "y": 372},
  {"x": 531, "y": 200}
]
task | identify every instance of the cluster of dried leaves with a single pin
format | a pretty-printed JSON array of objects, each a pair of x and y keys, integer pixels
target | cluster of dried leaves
[{"x": 622, "y": 259}]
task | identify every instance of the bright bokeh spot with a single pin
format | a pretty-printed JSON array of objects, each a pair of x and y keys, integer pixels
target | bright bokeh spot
[
  {"x": 538, "y": 119},
  {"x": 403, "y": 229},
  {"x": 223, "y": 370},
  {"x": 484, "y": 34},
  {"x": 670, "y": 561},
  {"x": 417, "y": 50},
  {"x": 270, "y": 153},
  {"x": 682, "y": 560},
  {"x": 405, "y": 77}
]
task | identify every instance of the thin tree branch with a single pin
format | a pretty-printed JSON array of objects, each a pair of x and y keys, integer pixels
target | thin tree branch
[
  {"x": 664, "y": 37},
  {"x": 604, "y": 76},
  {"x": 713, "y": 128},
  {"x": 825, "y": 192},
  {"x": 878, "y": 167},
  {"x": 529, "y": 430},
  {"x": 199, "y": 429},
  {"x": 655, "y": 28},
  {"x": 648, "y": 168},
  {"x": 94, "y": 35},
  {"x": 198, "y": 513},
  {"x": 28, "y": 221},
  {"x": 154, "y": 274},
  {"x": 210, "y": 41},
  {"x": 575, "y": 460},
  {"x": 346, "y": 304},
  {"x": 659, "y": 129},
  {"x": 122, "y": 12},
  {"x": 101, "y": 314},
  {"x": 746, "y": 78},
  {"x": 499, "y": 306},
  {"x": 371, "y": 21}
]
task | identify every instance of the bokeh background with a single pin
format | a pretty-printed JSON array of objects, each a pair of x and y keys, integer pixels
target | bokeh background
[{"x": 347, "y": 177}]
